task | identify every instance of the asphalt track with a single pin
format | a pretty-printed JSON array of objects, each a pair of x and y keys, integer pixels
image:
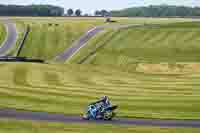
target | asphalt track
[
  {"x": 77, "y": 45},
  {"x": 11, "y": 37},
  {"x": 47, "y": 117}
]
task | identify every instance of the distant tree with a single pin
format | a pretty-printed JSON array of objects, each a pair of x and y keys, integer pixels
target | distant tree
[
  {"x": 86, "y": 15},
  {"x": 97, "y": 13},
  {"x": 104, "y": 13},
  {"x": 70, "y": 12},
  {"x": 78, "y": 12}
]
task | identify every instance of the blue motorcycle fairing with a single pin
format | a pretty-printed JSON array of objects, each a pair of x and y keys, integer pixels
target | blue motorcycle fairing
[{"x": 93, "y": 111}]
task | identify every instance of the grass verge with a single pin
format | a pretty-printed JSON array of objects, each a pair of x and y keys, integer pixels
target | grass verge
[
  {"x": 56, "y": 88},
  {"x": 49, "y": 37},
  {"x": 2, "y": 33},
  {"x": 171, "y": 43},
  {"x": 14, "y": 126}
]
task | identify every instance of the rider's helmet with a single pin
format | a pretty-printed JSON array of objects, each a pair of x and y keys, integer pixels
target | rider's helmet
[{"x": 105, "y": 100}]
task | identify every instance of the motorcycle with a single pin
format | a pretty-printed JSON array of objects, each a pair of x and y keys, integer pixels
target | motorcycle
[{"x": 98, "y": 111}]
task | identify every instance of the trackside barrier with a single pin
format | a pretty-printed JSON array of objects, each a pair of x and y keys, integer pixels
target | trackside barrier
[{"x": 23, "y": 40}]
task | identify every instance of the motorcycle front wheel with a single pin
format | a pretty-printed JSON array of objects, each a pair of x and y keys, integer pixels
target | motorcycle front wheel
[{"x": 108, "y": 116}]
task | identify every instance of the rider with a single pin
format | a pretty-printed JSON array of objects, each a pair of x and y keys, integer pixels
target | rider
[
  {"x": 105, "y": 101},
  {"x": 101, "y": 104}
]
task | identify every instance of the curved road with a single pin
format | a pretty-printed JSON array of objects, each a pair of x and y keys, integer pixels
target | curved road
[
  {"x": 77, "y": 45},
  {"x": 10, "y": 38},
  {"x": 47, "y": 117}
]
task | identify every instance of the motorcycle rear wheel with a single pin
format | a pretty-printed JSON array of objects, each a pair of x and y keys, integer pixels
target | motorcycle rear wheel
[{"x": 85, "y": 117}]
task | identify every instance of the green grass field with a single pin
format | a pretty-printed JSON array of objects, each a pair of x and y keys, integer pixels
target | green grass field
[
  {"x": 55, "y": 88},
  {"x": 13, "y": 126},
  {"x": 148, "y": 72},
  {"x": 2, "y": 33},
  {"x": 49, "y": 37},
  {"x": 172, "y": 43},
  {"x": 141, "y": 20},
  {"x": 92, "y": 45},
  {"x": 45, "y": 41}
]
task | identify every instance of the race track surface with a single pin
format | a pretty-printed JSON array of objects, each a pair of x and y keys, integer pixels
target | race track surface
[
  {"x": 77, "y": 45},
  {"x": 69, "y": 52},
  {"x": 47, "y": 117},
  {"x": 11, "y": 37}
]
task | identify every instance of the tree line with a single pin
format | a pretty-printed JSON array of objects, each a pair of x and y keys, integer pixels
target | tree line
[
  {"x": 102, "y": 12},
  {"x": 31, "y": 10},
  {"x": 148, "y": 11},
  {"x": 158, "y": 11},
  {"x": 37, "y": 10}
]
